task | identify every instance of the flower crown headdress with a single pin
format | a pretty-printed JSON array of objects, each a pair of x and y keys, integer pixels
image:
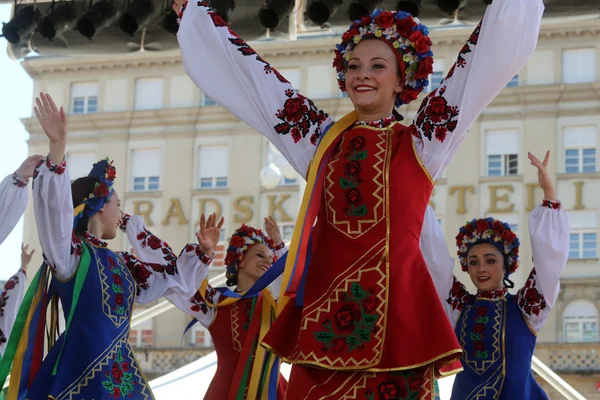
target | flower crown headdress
[
  {"x": 493, "y": 231},
  {"x": 407, "y": 38},
  {"x": 106, "y": 173},
  {"x": 241, "y": 241}
]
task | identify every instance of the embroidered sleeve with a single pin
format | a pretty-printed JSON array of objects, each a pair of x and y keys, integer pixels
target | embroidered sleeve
[
  {"x": 549, "y": 235},
  {"x": 275, "y": 286},
  {"x": 249, "y": 87},
  {"x": 10, "y": 301},
  {"x": 198, "y": 308},
  {"x": 157, "y": 270},
  {"x": 458, "y": 297},
  {"x": 494, "y": 53},
  {"x": 13, "y": 201},
  {"x": 53, "y": 208}
]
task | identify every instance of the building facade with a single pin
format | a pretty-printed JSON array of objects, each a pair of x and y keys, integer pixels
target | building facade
[{"x": 178, "y": 154}]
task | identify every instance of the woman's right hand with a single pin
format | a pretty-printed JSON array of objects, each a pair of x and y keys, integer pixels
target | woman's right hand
[
  {"x": 54, "y": 124},
  {"x": 25, "y": 256},
  {"x": 210, "y": 233},
  {"x": 27, "y": 168}
]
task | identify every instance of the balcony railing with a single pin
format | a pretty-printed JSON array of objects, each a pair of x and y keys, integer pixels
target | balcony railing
[
  {"x": 157, "y": 362},
  {"x": 581, "y": 358}
]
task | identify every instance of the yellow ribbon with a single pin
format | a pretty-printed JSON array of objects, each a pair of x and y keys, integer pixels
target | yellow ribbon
[{"x": 330, "y": 137}]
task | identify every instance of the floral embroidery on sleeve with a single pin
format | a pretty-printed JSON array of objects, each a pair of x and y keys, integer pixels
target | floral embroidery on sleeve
[
  {"x": 58, "y": 169},
  {"x": 298, "y": 116},
  {"x": 198, "y": 303},
  {"x": 530, "y": 300},
  {"x": 555, "y": 205},
  {"x": 148, "y": 239},
  {"x": 458, "y": 295},
  {"x": 139, "y": 272},
  {"x": 194, "y": 248},
  {"x": 18, "y": 182},
  {"x": 124, "y": 222},
  {"x": 436, "y": 117}
]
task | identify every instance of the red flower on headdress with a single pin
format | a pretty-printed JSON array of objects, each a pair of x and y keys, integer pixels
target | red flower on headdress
[
  {"x": 349, "y": 34},
  {"x": 338, "y": 61},
  {"x": 421, "y": 41},
  {"x": 385, "y": 20},
  {"x": 231, "y": 258},
  {"x": 482, "y": 225},
  {"x": 405, "y": 27},
  {"x": 409, "y": 95},
  {"x": 111, "y": 173},
  {"x": 508, "y": 236},
  {"x": 498, "y": 227},
  {"x": 366, "y": 20},
  {"x": 237, "y": 241},
  {"x": 425, "y": 68},
  {"x": 101, "y": 190}
]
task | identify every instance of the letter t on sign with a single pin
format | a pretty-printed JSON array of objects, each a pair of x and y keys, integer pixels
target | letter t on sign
[{"x": 462, "y": 197}]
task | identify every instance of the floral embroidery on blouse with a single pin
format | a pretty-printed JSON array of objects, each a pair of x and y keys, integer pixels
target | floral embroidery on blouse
[
  {"x": 435, "y": 118},
  {"x": 18, "y": 182},
  {"x": 298, "y": 116},
  {"x": 138, "y": 271},
  {"x": 459, "y": 296},
  {"x": 555, "y": 205},
  {"x": 495, "y": 295},
  {"x": 530, "y": 300},
  {"x": 124, "y": 221},
  {"x": 382, "y": 123},
  {"x": 148, "y": 239}
]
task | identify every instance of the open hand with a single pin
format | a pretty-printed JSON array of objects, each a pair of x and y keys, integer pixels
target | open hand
[
  {"x": 27, "y": 168},
  {"x": 52, "y": 120},
  {"x": 210, "y": 233},
  {"x": 25, "y": 256},
  {"x": 273, "y": 230},
  {"x": 544, "y": 179}
]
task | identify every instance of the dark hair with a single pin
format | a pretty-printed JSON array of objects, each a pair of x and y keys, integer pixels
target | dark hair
[{"x": 80, "y": 189}]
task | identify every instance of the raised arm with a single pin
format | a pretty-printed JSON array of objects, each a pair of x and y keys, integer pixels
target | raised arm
[
  {"x": 274, "y": 233},
  {"x": 495, "y": 52},
  {"x": 156, "y": 269},
  {"x": 52, "y": 200},
  {"x": 549, "y": 234},
  {"x": 228, "y": 70},
  {"x": 13, "y": 196}
]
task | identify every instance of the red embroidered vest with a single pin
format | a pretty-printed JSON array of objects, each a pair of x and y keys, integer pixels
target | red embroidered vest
[{"x": 369, "y": 300}]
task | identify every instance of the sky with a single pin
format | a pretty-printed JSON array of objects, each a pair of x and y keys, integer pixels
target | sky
[{"x": 16, "y": 93}]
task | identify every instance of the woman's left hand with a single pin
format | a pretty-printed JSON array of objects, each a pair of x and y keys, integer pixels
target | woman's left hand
[
  {"x": 273, "y": 231},
  {"x": 543, "y": 177}
]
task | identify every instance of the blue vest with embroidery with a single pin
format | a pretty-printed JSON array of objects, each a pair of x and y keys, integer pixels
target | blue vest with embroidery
[
  {"x": 97, "y": 362},
  {"x": 498, "y": 346}
]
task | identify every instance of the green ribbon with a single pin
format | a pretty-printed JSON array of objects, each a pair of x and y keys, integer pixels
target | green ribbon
[
  {"x": 242, "y": 388},
  {"x": 17, "y": 331},
  {"x": 82, "y": 270}
]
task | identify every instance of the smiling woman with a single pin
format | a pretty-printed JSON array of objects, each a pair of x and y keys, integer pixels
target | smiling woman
[{"x": 351, "y": 318}]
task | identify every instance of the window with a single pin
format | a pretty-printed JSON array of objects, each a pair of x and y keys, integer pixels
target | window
[
  {"x": 320, "y": 82},
  {"x": 580, "y": 321},
  {"x": 287, "y": 231},
  {"x": 580, "y": 149},
  {"x": 513, "y": 82},
  {"x": 80, "y": 164},
  {"x": 84, "y": 98},
  {"x": 288, "y": 173},
  {"x": 579, "y": 65},
  {"x": 502, "y": 149},
  {"x": 145, "y": 170},
  {"x": 149, "y": 93},
  {"x": 200, "y": 337},
  {"x": 207, "y": 101},
  {"x": 142, "y": 335},
  {"x": 583, "y": 238},
  {"x": 213, "y": 167},
  {"x": 293, "y": 77},
  {"x": 435, "y": 79}
]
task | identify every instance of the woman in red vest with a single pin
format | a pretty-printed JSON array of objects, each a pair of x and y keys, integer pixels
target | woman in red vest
[
  {"x": 244, "y": 370},
  {"x": 356, "y": 316}
]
